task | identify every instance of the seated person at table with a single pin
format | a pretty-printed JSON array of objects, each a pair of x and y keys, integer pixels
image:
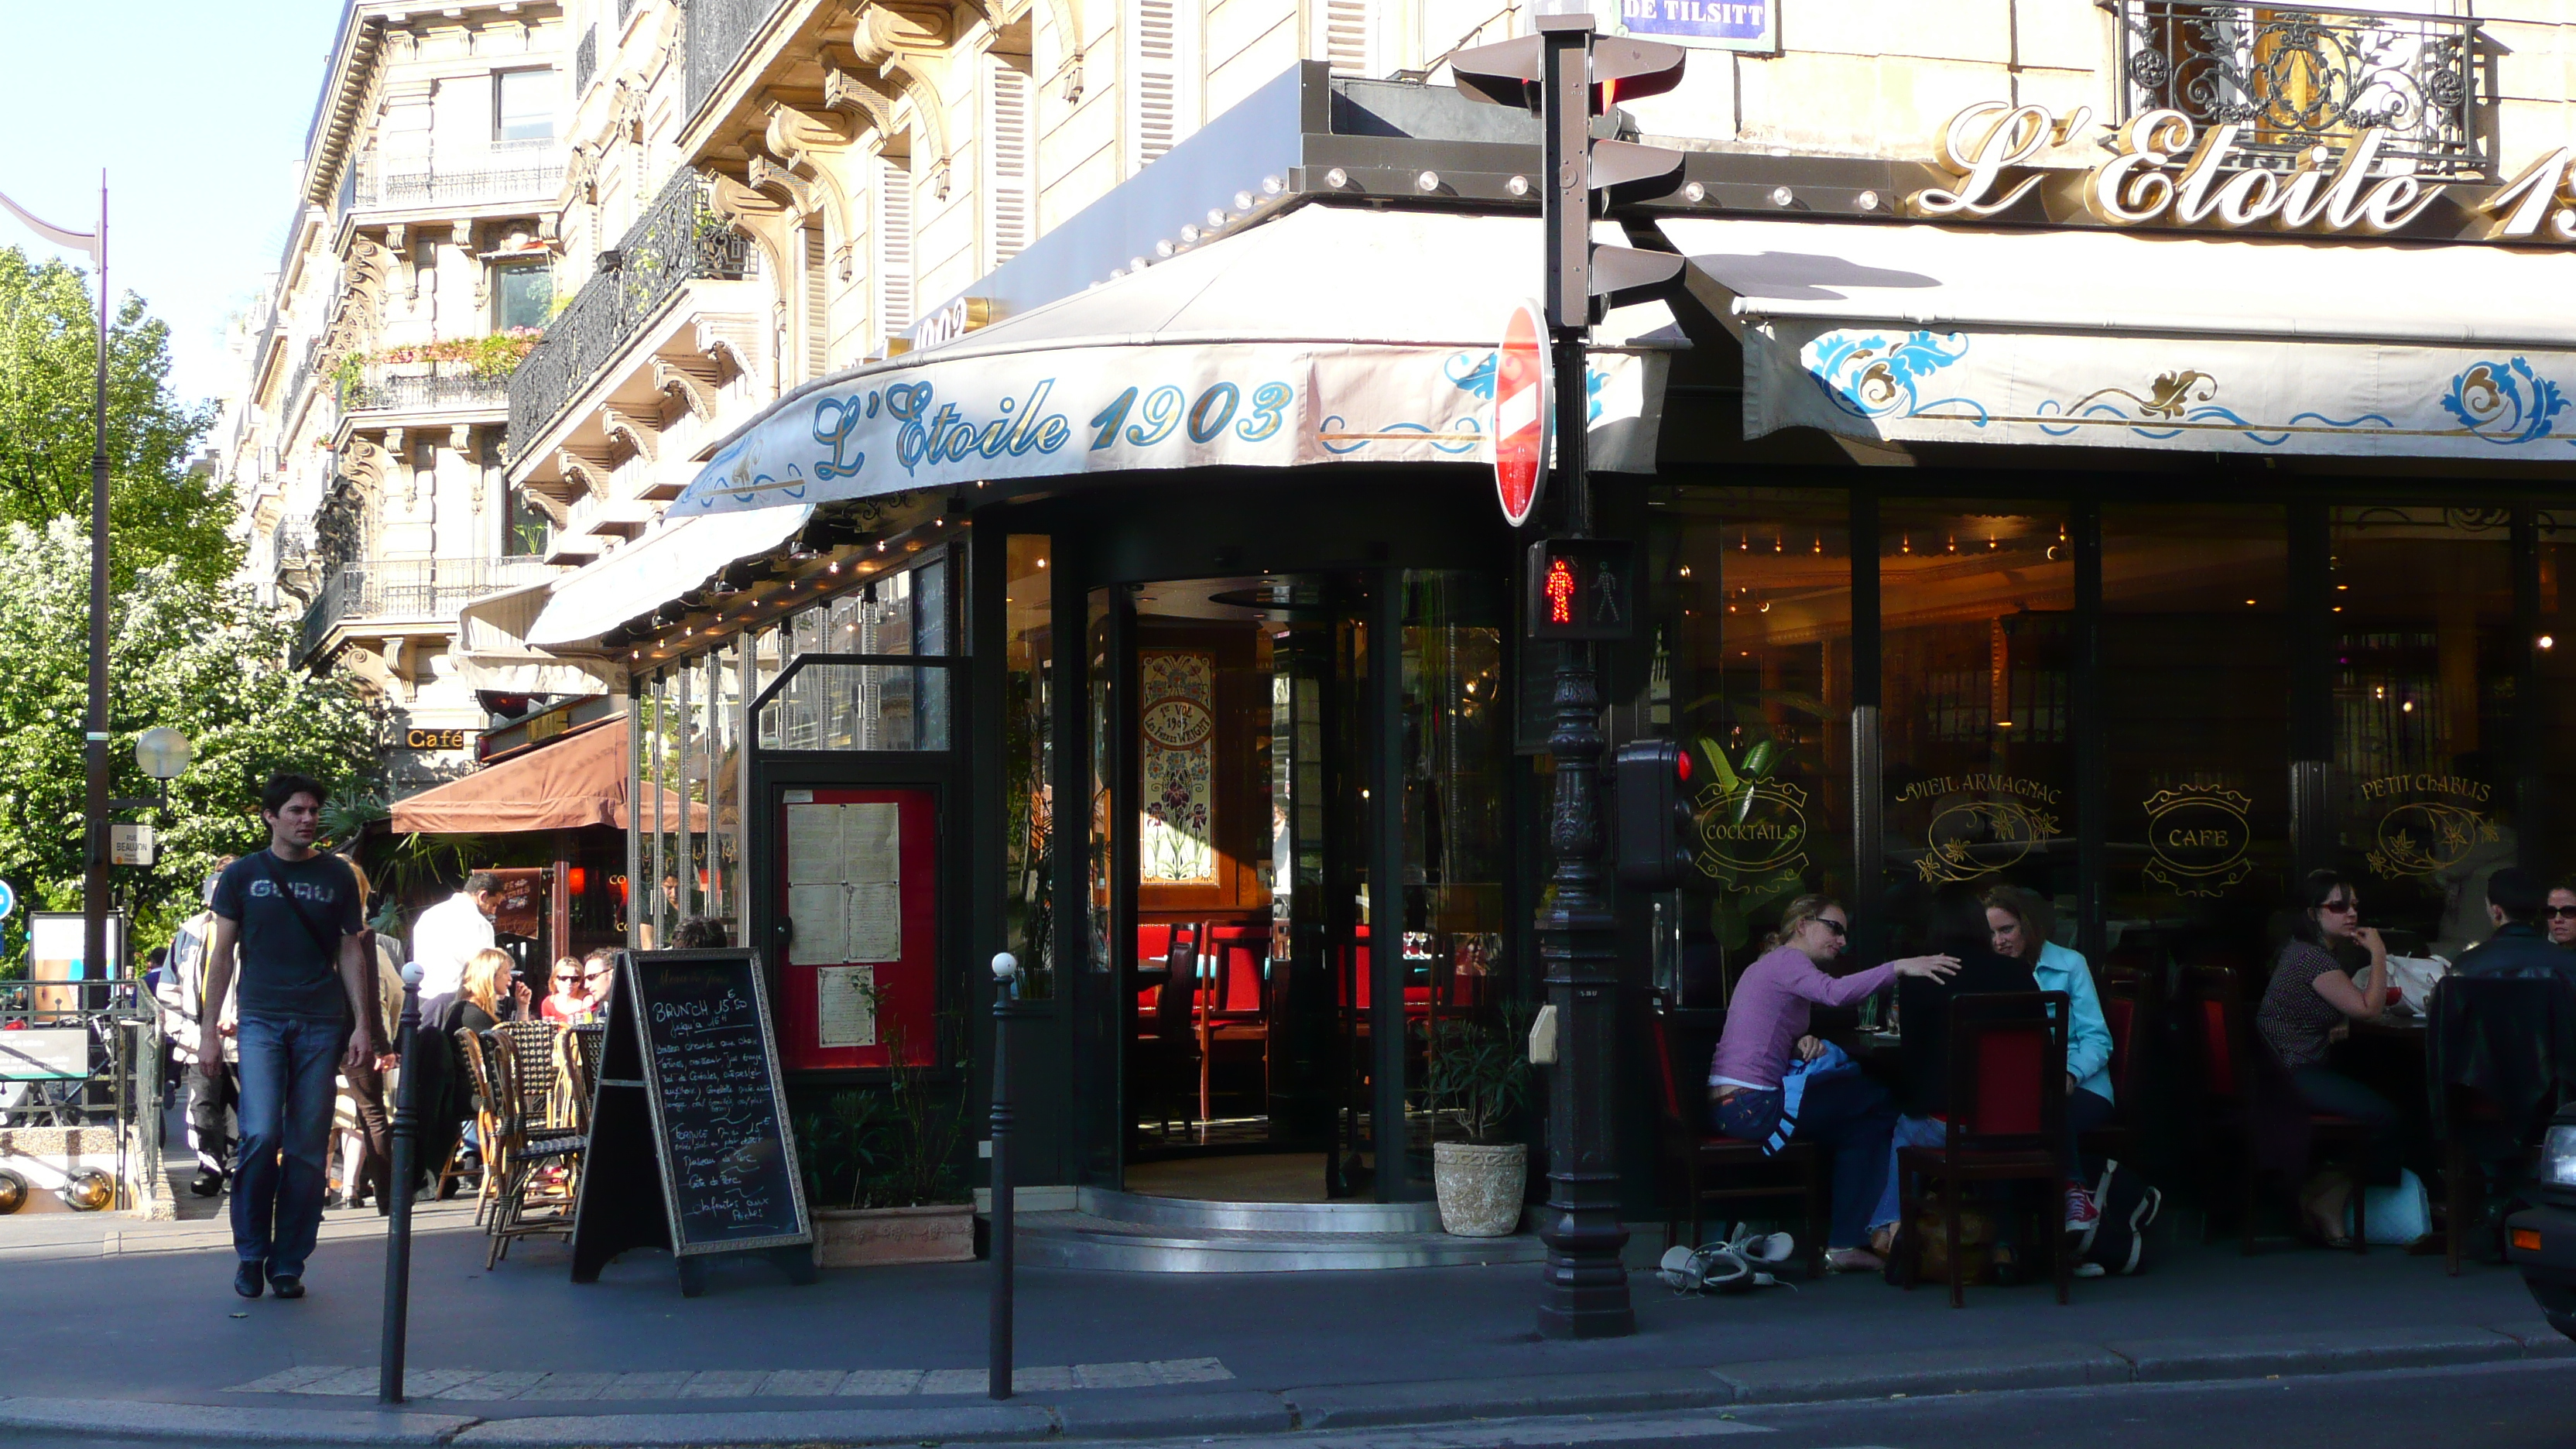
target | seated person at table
[
  {"x": 490, "y": 989},
  {"x": 2020, "y": 922},
  {"x": 598, "y": 979},
  {"x": 2309, "y": 1003},
  {"x": 1958, "y": 929},
  {"x": 2514, "y": 903},
  {"x": 566, "y": 1003},
  {"x": 1756, "y": 1094},
  {"x": 2559, "y": 916}
]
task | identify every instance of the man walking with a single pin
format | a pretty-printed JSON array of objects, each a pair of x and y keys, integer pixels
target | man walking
[
  {"x": 288, "y": 919},
  {"x": 448, "y": 934}
]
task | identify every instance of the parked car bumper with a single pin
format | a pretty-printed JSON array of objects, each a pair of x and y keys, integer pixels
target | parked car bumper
[{"x": 2541, "y": 1241}]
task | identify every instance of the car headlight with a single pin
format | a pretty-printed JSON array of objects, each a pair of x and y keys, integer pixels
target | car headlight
[{"x": 2558, "y": 1156}]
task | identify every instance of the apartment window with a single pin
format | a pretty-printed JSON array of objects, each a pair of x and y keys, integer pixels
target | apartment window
[
  {"x": 523, "y": 292},
  {"x": 523, "y": 105},
  {"x": 527, "y": 532}
]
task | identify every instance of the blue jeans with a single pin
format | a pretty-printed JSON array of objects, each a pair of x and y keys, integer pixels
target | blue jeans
[
  {"x": 1847, "y": 1114},
  {"x": 289, "y": 1070}
]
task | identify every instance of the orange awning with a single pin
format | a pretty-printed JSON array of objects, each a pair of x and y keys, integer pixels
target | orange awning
[{"x": 576, "y": 779}]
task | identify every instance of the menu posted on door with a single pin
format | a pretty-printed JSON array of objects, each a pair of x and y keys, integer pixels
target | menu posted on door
[{"x": 728, "y": 1161}]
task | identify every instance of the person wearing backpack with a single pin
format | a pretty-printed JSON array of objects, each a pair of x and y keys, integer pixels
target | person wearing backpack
[{"x": 288, "y": 931}]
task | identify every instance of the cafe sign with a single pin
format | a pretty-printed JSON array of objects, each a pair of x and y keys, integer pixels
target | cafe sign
[
  {"x": 2197, "y": 839},
  {"x": 2165, "y": 169}
]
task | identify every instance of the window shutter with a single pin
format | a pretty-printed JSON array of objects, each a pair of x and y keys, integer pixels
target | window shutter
[
  {"x": 1153, "y": 81},
  {"x": 894, "y": 245},
  {"x": 1009, "y": 189},
  {"x": 1344, "y": 43},
  {"x": 818, "y": 299}
]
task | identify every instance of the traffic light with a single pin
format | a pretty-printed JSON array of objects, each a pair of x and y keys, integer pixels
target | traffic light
[
  {"x": 1546, "y": 73},
  {"x": 1582, "y": 588},
  {"x": 1656, "y": 829}
]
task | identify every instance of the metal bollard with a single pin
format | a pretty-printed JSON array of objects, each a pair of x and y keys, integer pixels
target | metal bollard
[
  {"x": 406, "y": 1152},
  {"x": 1006, "y": 971}
]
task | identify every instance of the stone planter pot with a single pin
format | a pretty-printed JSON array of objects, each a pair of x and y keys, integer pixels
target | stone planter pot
[
  {"x": 1479, "y": 1186},
  {"x": 863, "y": 1237}
]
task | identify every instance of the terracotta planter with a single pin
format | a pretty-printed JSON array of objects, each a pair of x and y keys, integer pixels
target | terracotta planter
[
  {"x": 1479, "y": 1186},
  {"x": 862, "y": 1237}
]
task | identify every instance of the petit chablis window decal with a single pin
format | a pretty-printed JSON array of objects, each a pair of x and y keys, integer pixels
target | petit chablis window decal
[{"x": 2427, "y": 823}]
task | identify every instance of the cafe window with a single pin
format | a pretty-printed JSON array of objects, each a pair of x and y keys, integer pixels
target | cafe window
[
  {"x": 523, "y": 105},
  {"x": 1977, "y": 651},
  {"x": 856, "y": 692},
  {"x": 523, "y": 295},
  {"x": 2426, "y": 663},
  {"x": 2195, "y": 731},
  {"x": 1752, "y": 673},
  {"x": 1028, "y": 761}
]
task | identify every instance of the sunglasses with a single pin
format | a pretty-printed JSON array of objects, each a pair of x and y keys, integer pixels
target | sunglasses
[
  {"x": 1835, "y": 927},
  {"x": 2342, "y": 908},
  {"x": 2559, "y": 913},
  {"x": 595, "y": 976}
]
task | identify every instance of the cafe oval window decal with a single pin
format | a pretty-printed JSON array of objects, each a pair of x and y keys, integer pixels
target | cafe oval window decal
[
  {"x": 1980, "y": 824},
  {"x": 2428, "y": 834},
  {"x": 2197, "y": 837}
]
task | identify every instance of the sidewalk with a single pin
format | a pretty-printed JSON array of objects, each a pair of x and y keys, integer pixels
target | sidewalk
[{"x": 895, "y": 1355}]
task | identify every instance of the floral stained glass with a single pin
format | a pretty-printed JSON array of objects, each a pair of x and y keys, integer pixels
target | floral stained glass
[{"x": 1177, "y": 721}]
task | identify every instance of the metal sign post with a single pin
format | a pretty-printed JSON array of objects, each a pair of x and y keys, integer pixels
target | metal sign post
[
  {"x": 1006, "y": 990},
  {"x": 406, "y": 1140}
]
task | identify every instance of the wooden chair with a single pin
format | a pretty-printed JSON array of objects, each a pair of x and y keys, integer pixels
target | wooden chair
[
  {"x": 1702, "y": 1166},
  {"x": 2007, "y": 1123},
  {"x": 515, "y": 1154},
  {"x": 2233, "y": 1080},
  {"x": 2132, "y": 1002},
  {"x": 471, "y": 1051},
  {"x": 1233, "y": 1014},
  {"x": 1166, "y": 1045}
]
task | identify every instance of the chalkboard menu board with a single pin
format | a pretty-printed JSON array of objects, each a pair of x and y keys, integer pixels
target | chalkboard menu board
[{"x": 690, "y": 1148}]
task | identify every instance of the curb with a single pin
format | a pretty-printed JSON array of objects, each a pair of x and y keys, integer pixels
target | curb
[{"x": 1236, "y": 1412}]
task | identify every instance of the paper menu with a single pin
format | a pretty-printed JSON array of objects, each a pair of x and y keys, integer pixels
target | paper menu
[
  {"x": 845, "y": 883},
  {"x": 845, "y": 1006}
]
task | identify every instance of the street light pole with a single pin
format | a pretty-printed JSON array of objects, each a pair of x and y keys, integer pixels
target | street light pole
[{"x": 406, "y": 1139}]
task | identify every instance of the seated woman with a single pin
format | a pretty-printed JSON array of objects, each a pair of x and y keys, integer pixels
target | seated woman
[
  {"x": 1840, "y": 1110},
  {"x": 566, "y": 1003},
  {"x": 2308, "y": 1004},
  {"x": 2020, "y": 921}
]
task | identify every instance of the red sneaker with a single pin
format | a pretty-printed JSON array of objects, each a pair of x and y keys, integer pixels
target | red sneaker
[{"x": 2081, "y": 1213}]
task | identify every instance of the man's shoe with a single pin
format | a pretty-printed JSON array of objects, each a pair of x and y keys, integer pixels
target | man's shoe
[
  {"x": 206, "y": 1183},
  {"x": 248, "y": 1278},
  {"x": 286, "y": 1285}
]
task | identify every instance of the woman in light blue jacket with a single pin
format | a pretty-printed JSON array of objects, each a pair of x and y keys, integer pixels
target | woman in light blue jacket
[{"x": 2020, "y": 921}]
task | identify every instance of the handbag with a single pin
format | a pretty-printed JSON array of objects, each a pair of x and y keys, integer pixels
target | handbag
[{"x": 2398, "y": 1215}]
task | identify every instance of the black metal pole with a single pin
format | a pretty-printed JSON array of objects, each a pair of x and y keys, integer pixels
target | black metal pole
[
  {"x": 406, "y": 1139},
  {"x": 94, "y": 884},
  {"x": 1585, "y": 1292},
  {"x": 1006, "y": 972}
]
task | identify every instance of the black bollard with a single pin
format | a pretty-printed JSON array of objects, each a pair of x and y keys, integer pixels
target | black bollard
[
  {"x": 1006, "y": 971},
  {"x": 406, "y": 1151}
]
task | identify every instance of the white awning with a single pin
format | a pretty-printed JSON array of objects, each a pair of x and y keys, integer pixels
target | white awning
[
  {"x": 677, "y": 555},
  {"x": 2145, "y": 340},
  {"x": 1328, "y": 335},
  {"x": 491, "y": 650}
]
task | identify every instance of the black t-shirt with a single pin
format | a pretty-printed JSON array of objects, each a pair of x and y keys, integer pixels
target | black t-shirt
[{"x": 286, "y": 968}]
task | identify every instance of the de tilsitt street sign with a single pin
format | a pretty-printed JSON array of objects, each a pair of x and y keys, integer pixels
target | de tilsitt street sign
[{"x": 1524, "y": 405}]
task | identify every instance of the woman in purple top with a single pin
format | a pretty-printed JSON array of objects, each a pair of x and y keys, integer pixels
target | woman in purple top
[{"x": 1840, "y": 1110}]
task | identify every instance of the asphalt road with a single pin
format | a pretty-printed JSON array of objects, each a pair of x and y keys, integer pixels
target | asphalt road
[{"x": 2497, "y": 1406}]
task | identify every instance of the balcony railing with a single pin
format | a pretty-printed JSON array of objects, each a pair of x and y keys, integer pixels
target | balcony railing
[
  {"x": 410, "y": 591},
  {"x": 717, "y": 32},
  {"x": 451, "y": 176},
  {"x": 585, "y": 60},
  {"x": 416, "y": 393},
  {"x": 677, "y": 240},
  {"x": 2294, "y": 77}
]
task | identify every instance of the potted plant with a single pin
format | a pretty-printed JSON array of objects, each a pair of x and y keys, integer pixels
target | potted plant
[
  {"x": 1479, "y": 1076},
  {"x": 886, "y": 1162}
]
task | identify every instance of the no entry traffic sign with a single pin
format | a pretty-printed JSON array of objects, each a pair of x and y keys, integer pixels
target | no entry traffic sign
[{"x": 1523, "y": 405}]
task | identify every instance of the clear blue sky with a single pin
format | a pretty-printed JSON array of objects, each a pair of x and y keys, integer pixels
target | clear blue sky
[{"x": 197, "y": 114}]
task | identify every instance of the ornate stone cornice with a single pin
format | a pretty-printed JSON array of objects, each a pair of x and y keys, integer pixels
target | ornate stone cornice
[
  {"x": 692, "y": 380},
  {"x": 643, "y": 434}
]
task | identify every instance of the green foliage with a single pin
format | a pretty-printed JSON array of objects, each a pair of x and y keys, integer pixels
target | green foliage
[
  {"x": 889, "y": 1146},
  {"x": 841, "y": 1143},
  {"x": 159, "y": 512},
  {"x": 185, "y": 652},
  {"x": 1479, "y": 1071}
]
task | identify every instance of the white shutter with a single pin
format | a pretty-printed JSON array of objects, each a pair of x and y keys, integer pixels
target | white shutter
[
  {"x": 1153, "y": 80},
  {"x": 1344, "y": 41},
  {"x": 894, "y": 245},
  {"x": 1009, "y": 188},
  {"x": 816, "y": 278}
]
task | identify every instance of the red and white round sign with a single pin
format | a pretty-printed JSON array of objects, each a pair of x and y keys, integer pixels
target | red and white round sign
[{"x": 1523, "y": 408}]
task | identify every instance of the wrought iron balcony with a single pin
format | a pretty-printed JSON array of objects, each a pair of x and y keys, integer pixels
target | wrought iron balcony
[
  {"x": 585, "y": 60},
  {"x": 530, "y": 171},
  {"x": 717, "y": 32},
  {"x": 425, "y": 590},
  {"x": 677, "y": 240},
  {"x": 2294, "y": 77},
  {"x": 415, "y": 393}
]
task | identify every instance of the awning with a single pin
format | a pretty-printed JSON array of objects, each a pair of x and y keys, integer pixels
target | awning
[
  {"x": 2138, "y": 340},
  {"x": 491, "y": 651},
  {"x": 574, "y": 780},
  {"x": 676, "y": 556},
  {"x": 1328, "y": 335}
]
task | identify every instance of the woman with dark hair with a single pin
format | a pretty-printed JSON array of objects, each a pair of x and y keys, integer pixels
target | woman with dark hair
[
  {"x": 2309, "y": 1004},
  {"x": 2019, "y": 921},
  {"x": 1759, "y": 1094}
]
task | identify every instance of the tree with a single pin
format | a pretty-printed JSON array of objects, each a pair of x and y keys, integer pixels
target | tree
[
  {"x": 182, "y": 651},
  {"x": 159, "y": 510}
]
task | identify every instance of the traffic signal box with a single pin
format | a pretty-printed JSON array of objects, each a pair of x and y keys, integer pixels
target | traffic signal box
[
  {"x": 1653, "y": 814},
  {"x": 1581, "y": 588}
]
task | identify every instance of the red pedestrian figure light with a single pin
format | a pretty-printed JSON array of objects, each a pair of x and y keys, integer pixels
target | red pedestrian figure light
[{"x": 1560, "y": 592}]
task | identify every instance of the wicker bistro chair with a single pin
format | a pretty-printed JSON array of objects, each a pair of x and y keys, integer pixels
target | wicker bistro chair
[
  {"x": 577, "y": 1074},
  {"x": 477, "y": 1060},
  {"x": 516, "y": 1152}
]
